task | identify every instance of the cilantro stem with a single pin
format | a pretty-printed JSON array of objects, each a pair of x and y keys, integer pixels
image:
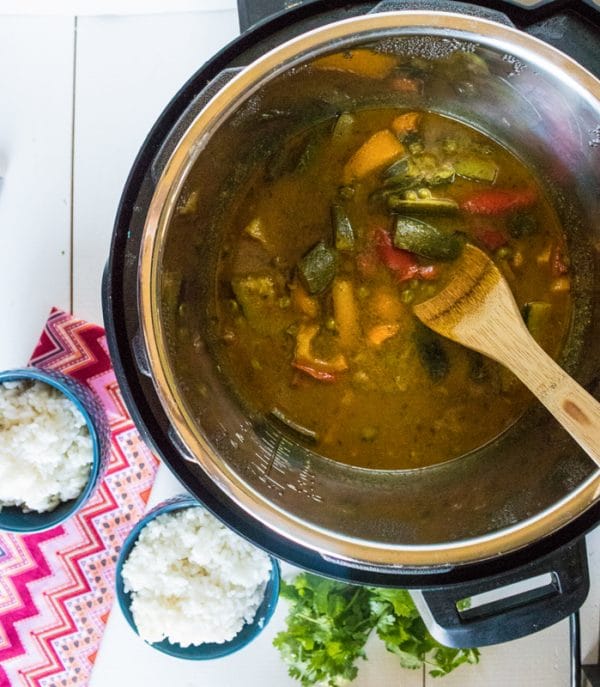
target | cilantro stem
[
  {"x": 352, "y": 600},
  {"x": 307, "y": 617}
]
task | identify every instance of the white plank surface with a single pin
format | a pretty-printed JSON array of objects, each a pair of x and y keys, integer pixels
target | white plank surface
[
  {"x": 127, "y": 68},
  {"x": 111, "y": 7},
  {"x": 36, "y": 87},
  {"x": 259, "y": 663}
]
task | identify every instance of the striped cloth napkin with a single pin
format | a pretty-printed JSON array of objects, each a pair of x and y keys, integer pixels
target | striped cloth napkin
[{"x": 57, "y": 587}]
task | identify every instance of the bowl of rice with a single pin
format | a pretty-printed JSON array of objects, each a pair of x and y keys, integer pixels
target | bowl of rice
[
  {"x": 192, "y": 588},
  {"x": 53, "y": 436}
]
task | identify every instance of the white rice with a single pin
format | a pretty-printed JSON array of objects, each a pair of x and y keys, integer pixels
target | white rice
[
  {"x": 45, "y": 447},
  {"x": 193, "y": 580}
]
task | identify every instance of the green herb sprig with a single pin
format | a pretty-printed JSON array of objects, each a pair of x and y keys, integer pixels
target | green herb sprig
[{"x": 329, "y": 622}]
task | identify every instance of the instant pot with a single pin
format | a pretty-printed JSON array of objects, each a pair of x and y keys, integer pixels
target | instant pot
[{"x": 513, "y": 510}]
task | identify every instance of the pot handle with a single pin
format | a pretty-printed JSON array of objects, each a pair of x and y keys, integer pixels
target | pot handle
[
  {"x": 512, "y": 616},
  {"x": 186, "y": 118}
]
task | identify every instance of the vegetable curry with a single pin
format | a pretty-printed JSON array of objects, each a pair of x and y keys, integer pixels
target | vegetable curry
[{"x": 328, "y": 246}]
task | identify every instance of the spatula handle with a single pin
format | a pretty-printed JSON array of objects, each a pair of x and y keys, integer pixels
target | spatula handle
[{"x": 576, "y": 410}]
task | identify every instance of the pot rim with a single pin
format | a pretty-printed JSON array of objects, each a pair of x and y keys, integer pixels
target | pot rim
[{"x": 332, "y": 37}]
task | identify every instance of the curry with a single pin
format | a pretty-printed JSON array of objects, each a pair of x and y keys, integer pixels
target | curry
[{"x": 328, "y": 245}]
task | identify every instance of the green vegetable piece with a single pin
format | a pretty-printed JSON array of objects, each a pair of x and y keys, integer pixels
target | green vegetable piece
[
  {"x": 444, "y": 174},
  {"x": 536, "y": 315},
  {"x": 416, "y": 146},
  {"x": 423, "y": 239},
  {"x": 477, "y": 168},
  {"x": 285, "y": 159},
  {"x": 450, "y": 146},
  {"x": 293, "y": 158},
  {"x": 522, "y": 224},
  {"x": 258, "y": 297},
  {"x": 343, "y": 126},
  {"x": 344, "y": 234},
  {"x": 440, "y": 206},
  {"x": 317, "y": 268},
  {"x": 431, "y": 352},
  {"x": 399, "y": 168}
]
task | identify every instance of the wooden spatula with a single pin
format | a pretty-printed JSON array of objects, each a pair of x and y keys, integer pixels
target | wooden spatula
[{"x": 477, "y": 309}]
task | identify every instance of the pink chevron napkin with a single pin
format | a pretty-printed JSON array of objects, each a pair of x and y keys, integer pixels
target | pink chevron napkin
[{"x": 56, "y": 588}]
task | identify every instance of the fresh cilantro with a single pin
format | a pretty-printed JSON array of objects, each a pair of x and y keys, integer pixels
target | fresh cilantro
[
  {"x": 327, "y": 628},
  {"x": 329, "y": 623},
  {"x": 403, "y": 631}
]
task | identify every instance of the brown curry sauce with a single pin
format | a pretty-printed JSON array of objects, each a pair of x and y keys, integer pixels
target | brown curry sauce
[{"x": 315, "y": 324}]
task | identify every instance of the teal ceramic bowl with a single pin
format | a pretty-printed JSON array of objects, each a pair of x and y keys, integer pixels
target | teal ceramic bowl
[
  {"x": 14, "y": 519},
  {"x": 207, "y": 651}
]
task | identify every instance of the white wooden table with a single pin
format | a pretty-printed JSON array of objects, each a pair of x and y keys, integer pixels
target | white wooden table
[{"x": 77, "y": 97}]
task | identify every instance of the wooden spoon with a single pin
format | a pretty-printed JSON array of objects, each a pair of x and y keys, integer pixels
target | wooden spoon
[{"x": 477, "y": 309}]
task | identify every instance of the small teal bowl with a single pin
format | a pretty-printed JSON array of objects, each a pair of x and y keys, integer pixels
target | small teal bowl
[
  {"x": 207, "y": 651},
  {"x": 12, "y": 518}
]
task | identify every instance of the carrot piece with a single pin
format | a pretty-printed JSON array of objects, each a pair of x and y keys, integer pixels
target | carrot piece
[
  {"x": 306, "y": 333},
  {"x": 345, "y": 313},
  {"x": 323, "y": 370},
  {"x": 406, "y": 123},
  {"x": 380, "y": 149},
  {"x": 386, "y": 305},
  {"x": 361, "y": 62},
  {"x": 302, "y": 302},
  {"x": 382, "y": 332}
]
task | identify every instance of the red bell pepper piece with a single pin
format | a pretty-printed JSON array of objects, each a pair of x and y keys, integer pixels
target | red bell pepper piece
[
  {"x": 492, "y": 239},
  {"x": 428, "y": 272},
  {"x": 496, "y": 201},
  {"x": 314, "y": 372},
  {"x": 402, "y": 262}
]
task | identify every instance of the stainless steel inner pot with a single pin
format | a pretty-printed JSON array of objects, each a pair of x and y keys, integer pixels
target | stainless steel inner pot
[{"x": 528, "y": 483}]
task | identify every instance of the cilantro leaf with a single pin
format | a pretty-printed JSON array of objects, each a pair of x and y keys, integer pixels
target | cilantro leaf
[
  {"x": 327, "y": 627},
  {"x": 401, "y": 628},
  {"x": 329, "y": 622}
]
